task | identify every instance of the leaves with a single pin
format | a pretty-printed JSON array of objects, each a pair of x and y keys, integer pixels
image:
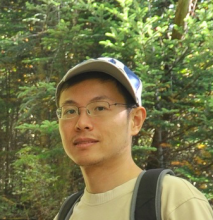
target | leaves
[{"x": 46, "y": 127}]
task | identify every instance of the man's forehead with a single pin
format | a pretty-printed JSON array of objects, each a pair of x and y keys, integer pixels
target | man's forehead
[{"x": 90, "y": 91}]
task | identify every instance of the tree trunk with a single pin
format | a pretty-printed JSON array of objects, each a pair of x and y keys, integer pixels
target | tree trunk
[{"x": 184, "y": 8}]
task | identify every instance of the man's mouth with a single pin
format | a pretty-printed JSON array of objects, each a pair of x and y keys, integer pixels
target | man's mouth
[{"x": 84, "y": 142}]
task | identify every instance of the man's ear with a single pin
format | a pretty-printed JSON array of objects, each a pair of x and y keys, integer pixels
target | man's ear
[{"x": 138, "y": 116}]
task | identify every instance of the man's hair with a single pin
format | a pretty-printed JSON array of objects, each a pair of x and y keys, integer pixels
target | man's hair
[{"x": 102, "y": 77}]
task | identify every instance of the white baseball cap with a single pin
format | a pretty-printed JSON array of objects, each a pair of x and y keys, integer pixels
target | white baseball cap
[{"x": 109, "y": 66}]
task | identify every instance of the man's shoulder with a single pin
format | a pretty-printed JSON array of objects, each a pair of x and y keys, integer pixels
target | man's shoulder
[
  {"x": 176, "y": 186},
  {"x": 182, "y": 200}
]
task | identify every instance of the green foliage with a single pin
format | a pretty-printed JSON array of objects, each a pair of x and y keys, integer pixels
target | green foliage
[
  {"x": 41, "y": 94},
  {"x": 47, "y": 127},
  {"x": 36, "y": 182}
]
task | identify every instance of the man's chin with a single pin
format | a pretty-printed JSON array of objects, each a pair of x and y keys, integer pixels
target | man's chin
[{"x": 89, "y": 164}]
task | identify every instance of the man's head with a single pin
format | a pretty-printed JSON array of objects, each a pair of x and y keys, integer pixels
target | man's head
[
  {"x": 123, "y": 76},
  {"x": 99, "y": 112}
]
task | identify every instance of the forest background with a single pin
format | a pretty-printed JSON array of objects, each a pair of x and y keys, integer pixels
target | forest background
[{"x": 167, "y": 43}]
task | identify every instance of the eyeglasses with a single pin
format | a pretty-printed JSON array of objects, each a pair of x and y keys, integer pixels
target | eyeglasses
[{"x": 99, "y": 108}]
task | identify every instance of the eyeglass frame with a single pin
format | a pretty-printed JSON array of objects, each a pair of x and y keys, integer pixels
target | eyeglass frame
[{"x": 87, "y": 110}]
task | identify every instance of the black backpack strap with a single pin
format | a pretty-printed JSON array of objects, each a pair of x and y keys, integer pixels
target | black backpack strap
[
  {"x": 146, "y": 199},
  {"x": 159, "y": 191},
  {"x": 68, "y": 205}
]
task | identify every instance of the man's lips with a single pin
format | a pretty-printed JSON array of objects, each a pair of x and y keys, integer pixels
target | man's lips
[{"x": 84, "y": 141}]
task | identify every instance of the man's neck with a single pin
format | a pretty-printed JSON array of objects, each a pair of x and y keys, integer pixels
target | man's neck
[{"x": 102, "y": 178}]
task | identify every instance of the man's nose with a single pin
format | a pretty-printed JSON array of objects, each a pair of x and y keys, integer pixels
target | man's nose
[{"x": 83, "y": 120}]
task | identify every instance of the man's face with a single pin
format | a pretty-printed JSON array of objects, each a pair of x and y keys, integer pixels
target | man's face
[{"x": 93, "y": 140}]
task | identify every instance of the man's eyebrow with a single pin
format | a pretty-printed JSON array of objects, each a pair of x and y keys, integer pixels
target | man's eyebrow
[
  {"x": 69, "y": 102},
  {"x": 97, "y": 98},
  {"x": 100, "y": 98}
]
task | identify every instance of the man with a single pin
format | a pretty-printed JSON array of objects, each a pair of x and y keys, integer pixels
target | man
[{"x": 99, "y": 111}]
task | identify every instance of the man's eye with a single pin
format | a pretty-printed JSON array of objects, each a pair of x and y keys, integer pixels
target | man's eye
[
  {"x": 100, "y": 108},
  {"x": 70, "y": 112}
]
